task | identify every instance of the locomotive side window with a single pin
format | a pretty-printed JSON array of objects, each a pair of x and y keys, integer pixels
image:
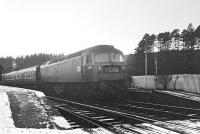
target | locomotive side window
[
  {"x": 103, "y": 57},
  {"x": 116, "y": 57}
]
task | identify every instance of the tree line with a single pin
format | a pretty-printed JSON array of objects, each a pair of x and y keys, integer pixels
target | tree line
[
  {"x": 178, "y": 52},
  {"x": 187, "y": 39},
  {"x": 8, "y": 64}
]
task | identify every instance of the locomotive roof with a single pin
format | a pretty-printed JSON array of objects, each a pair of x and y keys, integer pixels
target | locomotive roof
[
  {"x": 104, "y": 48},
  {"x": 98, "y": 48}
]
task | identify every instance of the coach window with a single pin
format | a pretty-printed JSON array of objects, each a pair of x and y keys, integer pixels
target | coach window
[{"x": 89, "y": 59}]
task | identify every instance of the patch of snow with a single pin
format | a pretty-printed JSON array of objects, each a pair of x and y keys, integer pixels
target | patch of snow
[
  {"x": 32, "y": 112},
  {"x": 181, "y": 126},
  {"x": 39, "y": 94},
  {"x": 16, "y": 89},
  {"x": 158, "y": 129},
  {"x": 101, "y": 131},
  {"x": 5, "y": 112},
  {"x": 61, "y": 122},
  {"x": 40, "y": 131},
  {"x": 137, "y": 129}
]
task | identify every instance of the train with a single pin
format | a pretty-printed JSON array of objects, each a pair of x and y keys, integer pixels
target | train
[{"x": 97, "y": 71}]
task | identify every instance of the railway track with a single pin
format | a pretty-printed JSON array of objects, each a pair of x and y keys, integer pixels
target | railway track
[
  {"x": 150, "y": 110},
  {"x": 180, "y": 112},
  {"x": 154, "y": 111},
  {"x": 112, "y": 120}
]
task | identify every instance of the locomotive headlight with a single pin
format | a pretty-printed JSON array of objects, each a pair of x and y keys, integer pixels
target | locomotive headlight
[
  {"x": 124, "y": 68},
  {"x": 89, "y": 67},
  {"x": 99, "y": 69}
]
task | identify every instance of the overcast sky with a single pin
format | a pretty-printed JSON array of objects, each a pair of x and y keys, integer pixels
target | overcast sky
[{"x": 66, "y": 26}]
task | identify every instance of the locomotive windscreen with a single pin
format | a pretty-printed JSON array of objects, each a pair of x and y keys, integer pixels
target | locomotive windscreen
[
  {"x": 103, "y": 57},
  {"x": 109, "y": 57},
  {"x": 116, "y": 57}
]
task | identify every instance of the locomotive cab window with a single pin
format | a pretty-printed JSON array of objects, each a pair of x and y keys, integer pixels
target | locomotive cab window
[
  {"x": 116, "y": 57},
  {"x": 102, "y": 57}
]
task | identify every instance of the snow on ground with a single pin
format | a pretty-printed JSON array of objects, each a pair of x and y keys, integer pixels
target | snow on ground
[
  {"x": 100, "y": 131},
  {"x": 39, "y": 94},
  {"x": 32, "y": 110},
  {"x": 61, "y": 122},
  {"x": 8, "y": 88},
  {"x": 40, "y": 131},
  {"x": 157, "y": 129},
  {"x": 145, "y": 128},
  {"x": 28, "y": 111},
  {"x": 191, "y": 126},
  {"x": 5, "y": 111}
]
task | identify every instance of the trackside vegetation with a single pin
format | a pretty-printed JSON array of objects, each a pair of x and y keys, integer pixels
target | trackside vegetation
[{"x": 178, "y": 52}]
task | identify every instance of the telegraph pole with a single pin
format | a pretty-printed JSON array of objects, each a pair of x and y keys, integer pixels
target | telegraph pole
[
  {"x": 156, "y": 58},
  {"x": 145, "y": 64},
  {"x": 156, "y": 63}
]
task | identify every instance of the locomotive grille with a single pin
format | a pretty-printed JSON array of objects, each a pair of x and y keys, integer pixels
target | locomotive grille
[{"x": 111, "y": 69}]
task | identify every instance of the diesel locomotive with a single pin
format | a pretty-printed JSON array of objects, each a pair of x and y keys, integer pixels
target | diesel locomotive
[{"x": 93, "y": 72}]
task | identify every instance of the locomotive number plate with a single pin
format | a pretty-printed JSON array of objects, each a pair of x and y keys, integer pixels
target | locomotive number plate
[{"x": 111, "y": 69}]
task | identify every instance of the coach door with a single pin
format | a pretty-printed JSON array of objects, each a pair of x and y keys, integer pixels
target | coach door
[{"x": 88, "y": 68}]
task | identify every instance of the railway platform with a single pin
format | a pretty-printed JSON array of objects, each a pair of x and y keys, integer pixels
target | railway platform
[
  {"x": 181, "y": 94},
  {"x": 132, "y": 89},
  {"x": 180, "y": 98},
  {"x": 28, "y": 111},
  {"x": 170, "y": 97},
  {"x": 176, "y": 93}
]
